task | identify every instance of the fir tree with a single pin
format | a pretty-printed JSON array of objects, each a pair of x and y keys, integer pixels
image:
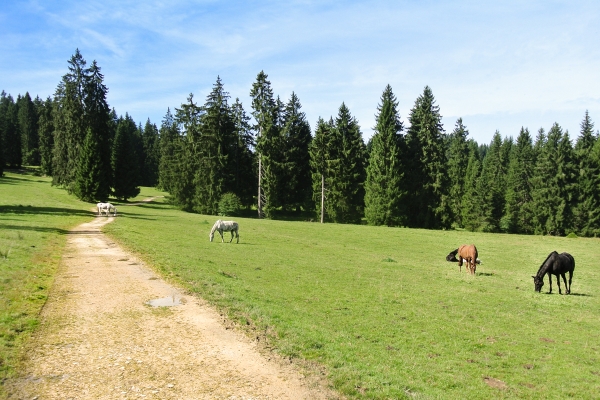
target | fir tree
[
  {"x": 268, "y": 143},
  {"x": 151, "y": 154},
  {"x": 169, "y": 138},
  {"x": 426, "y": 171},
  {"x": 587, "y": 211},
  {"x": 458, "y": 159},
  {"x": 90, "y": 178},
  {"x": 46, "y": 136},
  {"x": 215, "y": 147},
  {"x": 296, "y": 189},
  {"x": 245, "y": 184},
  {"x": 470, "y": 202},
  {"x": 124, "y": 160},
  {"x": 69, "y": 122},
  {"x": 518, "y": 208},
  {"x": 28, "y": 130},
  {"x": 384, "y": 192},
  {"x": 10, "y": 131},
  {"x": 319, "y": 161}
]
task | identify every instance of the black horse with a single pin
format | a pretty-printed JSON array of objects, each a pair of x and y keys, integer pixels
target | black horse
[{"x": 555, "y": 264}]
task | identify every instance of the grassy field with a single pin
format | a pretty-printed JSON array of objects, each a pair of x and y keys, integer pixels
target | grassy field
[
  {"x": 382, "y": 310},
  {"x": 34, "y": 220},
  {"x": 378, "y": 308}
]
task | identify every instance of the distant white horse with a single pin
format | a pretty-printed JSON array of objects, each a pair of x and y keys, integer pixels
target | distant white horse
[
  {"x": 225, "y": 226},
  {"x": 106, "y": 208}
]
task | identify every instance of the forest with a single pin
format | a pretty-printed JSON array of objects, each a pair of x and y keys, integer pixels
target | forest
[{"x": 217, "y": 158}]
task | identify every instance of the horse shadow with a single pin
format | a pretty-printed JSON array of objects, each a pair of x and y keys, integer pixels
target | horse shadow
[{"x": 20, "y": 209}]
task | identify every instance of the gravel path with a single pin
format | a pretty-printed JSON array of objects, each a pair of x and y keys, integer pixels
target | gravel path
[{"x": 99, "y": 339}]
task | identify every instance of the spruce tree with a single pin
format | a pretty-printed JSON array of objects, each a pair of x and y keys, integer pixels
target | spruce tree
[
  {"x": 319, "y": 161},
  {"x": 151, "y": 154},
  {"x": 69, "y": 122},
  {"x": 587, "y": 211},
  {"x": 28, "y": 130},
  {"x": 169, "y": 137},
  {"x": 458, "y": 160},
  {"x": 215, "y": 148},
  {"x": 245, "y": 184},
  {"x": 384, "y": 191},
  {"x": 46, "y": 136},
  {"x": 427, "y": 179},
  {"x": 518, "y": 208},
  {"x": 553, "y": 183},
  {"x": 268, "y": 144},
  {"x": 296, "y": 185},
  {"x": 90, "y": 178},
  {"x": 124, "y": 160},
  {"x": 470, "y": 202},
  {"x": 10, "y": 132}
]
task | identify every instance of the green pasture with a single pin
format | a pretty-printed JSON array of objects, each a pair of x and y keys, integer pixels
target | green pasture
[
  {"x": 34, "y": 220},
  {"x": 379, "y": 310},
  {"x": 382, "y": 311}
]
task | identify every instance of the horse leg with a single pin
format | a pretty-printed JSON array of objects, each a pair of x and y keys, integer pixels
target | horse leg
[
  {"x": 237, "y": 235},
  {"x": 460, "y": 261},
  {"x": 550, "y": 280},
  {"x": 564, "y": 276},
  {"x": 230, "y": 240},
  {"x": 221, "y": 233},
  {"x": 570, "y": 278}
]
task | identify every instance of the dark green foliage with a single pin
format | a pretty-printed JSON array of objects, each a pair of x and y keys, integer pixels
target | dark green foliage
[
  {"x": 90, "y": 184},
  {"x": 553, "y": 186},
  {"x": 169, "y": 141},
  {"x": 266, "y": 113},
  {"x": 69, "y": 122},
  {"x": 346, "y": 197},
  {"x": 518, "y": 207},
  {"x": 491, "y": 185},
  {"x": 229, "y": 204},
  {"x": 244, "y": 166},
  {"x": 124, "y": 160},
  {"x": 587, "y": 211},
  {"x": 46, "y": 136},
  {"x": 384, "y": 192},
  {"x": 150, "y": 154},
  {"x": 426, "y": 172},
  {"x": 458, "y": 161},
  {"x": 319, "y": 156},
  {"x": 214, "y": 148},
  {"x": 295, "y": 188},
  {"x": 9, "y": 128},
  {"x": 470, "y": 202},
  {"x": 28, "y": 130}
]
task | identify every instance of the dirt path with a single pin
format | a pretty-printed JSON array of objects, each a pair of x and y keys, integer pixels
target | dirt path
[{"x": 99, "y": 339}]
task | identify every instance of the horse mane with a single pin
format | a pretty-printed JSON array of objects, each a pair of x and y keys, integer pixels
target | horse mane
[
  {"x": 215, "y": 226},
  {"x": 544, "y": 263}
]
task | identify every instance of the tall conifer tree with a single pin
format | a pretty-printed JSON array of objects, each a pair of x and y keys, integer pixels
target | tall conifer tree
[
  {"x": 384, "y": 192},
  {"x": 587, "y": 211},
  {"x": 319, "y": 162},
  {"x": 124, "y": 160},
  {"x": 169, "y": 141},
  {"x": 268, "y": 143},
  {"x": 518, "y": 208},
  {"x": 10, "y": 131},
  {"x": 296, "y": 188},
  {"x": 28, "y": 130},
  {"x": 458, "y": 160},
  {"x": 426, "y": 173},
  {"x": 46, "y": 136},
  {"x": 245, "y": 183}
]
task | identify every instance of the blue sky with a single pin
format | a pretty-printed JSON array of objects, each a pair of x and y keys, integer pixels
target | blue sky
[{"x": 499, "y": 65}]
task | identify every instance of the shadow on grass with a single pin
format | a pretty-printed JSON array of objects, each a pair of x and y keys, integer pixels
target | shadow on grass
[
  {"x": 34, "y": 228},
  {"x": 485, "y": 274},
  {"x": 41, "y": 210}
]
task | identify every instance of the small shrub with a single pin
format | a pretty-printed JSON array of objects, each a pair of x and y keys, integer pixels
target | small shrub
[
  {"x": 572, "y": 235},
  {"x": 229, "y": 205}
]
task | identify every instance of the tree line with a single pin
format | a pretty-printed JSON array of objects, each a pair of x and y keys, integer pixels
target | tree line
[{"x": 215, "y": 158}]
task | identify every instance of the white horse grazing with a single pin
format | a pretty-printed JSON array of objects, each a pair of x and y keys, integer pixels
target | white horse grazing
[
  {"x": 225, "y": 226},
  {"x": 106, "y": 208}
]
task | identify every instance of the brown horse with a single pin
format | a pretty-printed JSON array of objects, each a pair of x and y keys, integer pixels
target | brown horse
[{"x": 468, "y": 253}]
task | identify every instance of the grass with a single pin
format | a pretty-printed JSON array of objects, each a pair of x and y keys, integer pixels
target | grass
[
  {"x": 379, "y": 309},
  {"x": 382, "y": 310},
  {"x": 34, "y": 218}
]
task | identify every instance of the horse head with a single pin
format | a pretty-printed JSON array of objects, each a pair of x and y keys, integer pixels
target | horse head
[
  {"x": 452, "y": 256},
  {"x": 538, "y": 282}
]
